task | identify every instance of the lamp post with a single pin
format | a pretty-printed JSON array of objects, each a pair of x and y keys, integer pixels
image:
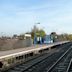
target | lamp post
[
  {"x": 35, "y": 37},
  {"x": 35, "y": 40}
]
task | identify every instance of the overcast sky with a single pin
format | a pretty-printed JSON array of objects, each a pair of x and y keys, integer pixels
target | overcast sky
[{"x": 19, "y": 16}]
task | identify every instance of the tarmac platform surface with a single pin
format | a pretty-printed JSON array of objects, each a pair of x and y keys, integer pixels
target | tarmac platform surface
[{"x": 4, "y": 53}]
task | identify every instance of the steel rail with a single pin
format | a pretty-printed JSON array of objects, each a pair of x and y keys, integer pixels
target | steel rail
[
  {"x": 69, "y": 66},
  {"x": 49, "y": 70}
]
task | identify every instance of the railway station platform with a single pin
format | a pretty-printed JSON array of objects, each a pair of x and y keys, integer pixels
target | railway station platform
[
  {"x": 14, "y": 57},
  {"x": 4, "y": 53}
]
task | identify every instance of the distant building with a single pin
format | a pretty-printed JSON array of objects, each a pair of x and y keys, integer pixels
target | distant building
[{"x": 27, "y": 36}]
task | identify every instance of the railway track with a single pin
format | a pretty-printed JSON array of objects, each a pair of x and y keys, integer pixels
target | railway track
[
  {"x": 24, "y": 67},
  {"x": 62, "y": 64},
  {"x": 45, "y": 63},
  {"x": 69, "y": 69}
]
